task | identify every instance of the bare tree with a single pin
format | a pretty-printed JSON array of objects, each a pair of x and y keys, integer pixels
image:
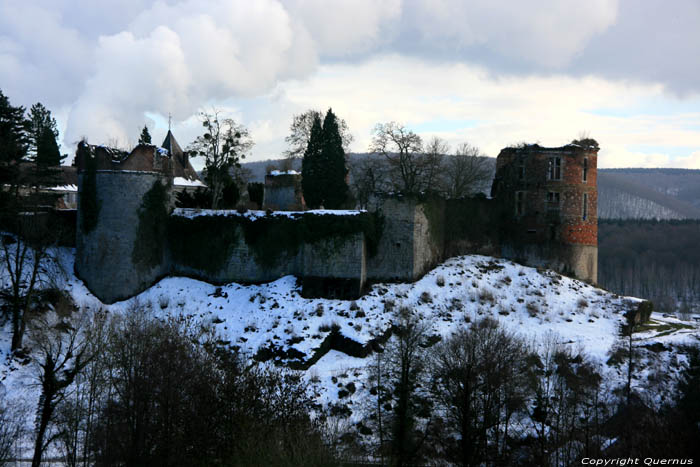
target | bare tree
[
  {"x": 11, "y": 429},
  {"x": 61, "y": 351},
  {"x": 379, "y": 389},
  {"x": 223, "y": 144},
  {"x": 467, "y": 172},
  {"x": 480, "y": 382},
  {"x": 403, "y": 149},
  {"x": 435, "y": 152},
  {"x": 26, "y": 260},
  {"x": 300, "y": 132},
  {"x": 405, "y": 370},
  {"x": 367, "y": 177}
]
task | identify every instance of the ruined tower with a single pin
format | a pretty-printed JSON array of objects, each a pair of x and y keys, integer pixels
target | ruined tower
[{"x": 548, "y": 200}]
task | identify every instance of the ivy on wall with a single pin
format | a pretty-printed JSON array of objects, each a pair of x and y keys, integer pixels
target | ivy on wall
[
  {"x": 205, "y": 242},
  {"x": 149, "y": 246},
  {"x": 89, "y": 205}
]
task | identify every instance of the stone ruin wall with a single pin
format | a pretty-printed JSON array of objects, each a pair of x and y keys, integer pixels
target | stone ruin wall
[{"x": 415, "y": 238}]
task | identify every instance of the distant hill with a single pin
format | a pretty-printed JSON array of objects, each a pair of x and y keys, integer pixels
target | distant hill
[{"x": 648, "y": 194}]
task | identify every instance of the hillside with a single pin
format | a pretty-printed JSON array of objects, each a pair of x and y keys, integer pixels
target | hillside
[
  {"x": 648, "y": 194},
  {"x": 328, "y": 338}
]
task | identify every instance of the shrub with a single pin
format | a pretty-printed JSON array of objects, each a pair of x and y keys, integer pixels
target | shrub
[
  {"x": 486, "y": 296},
  {"x": 532, "y": 308}
]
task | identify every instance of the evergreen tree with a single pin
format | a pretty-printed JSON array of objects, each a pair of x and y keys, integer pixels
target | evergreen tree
[
  {"x": 334, "y": 171},
  {"x": 312, "y": 167},
  {"x": 14, "y": 140},
  {"x": 47, "y": 153},
  {"x": 14, "y": 143},
  {"x": 41, "y": 124},
  {"x": 145, "y": 137}
]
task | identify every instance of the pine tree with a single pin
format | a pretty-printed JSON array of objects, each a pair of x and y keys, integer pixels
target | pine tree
[
  {"x": 14, "y": 143},
  {"x": 47, "y": 153},
  {"x": 334, "y": 185},
  {"x": 145, "y": 137},
  {"x": 14, "y": 140},
  {"x": 41, "y": 123},
  {"x": 311, "y": 167}
]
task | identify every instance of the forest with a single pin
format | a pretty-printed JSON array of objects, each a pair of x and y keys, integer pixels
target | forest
[{"x": 659, "y": 260}]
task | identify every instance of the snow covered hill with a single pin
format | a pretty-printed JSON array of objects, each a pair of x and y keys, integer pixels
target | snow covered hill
[{"x": 328, "y": 338}]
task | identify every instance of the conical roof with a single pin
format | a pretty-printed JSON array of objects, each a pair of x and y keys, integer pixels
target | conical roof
[{"x": 170, "y": 143}]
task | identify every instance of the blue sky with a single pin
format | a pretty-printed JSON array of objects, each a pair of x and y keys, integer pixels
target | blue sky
[{"x": 487, "y": 72}]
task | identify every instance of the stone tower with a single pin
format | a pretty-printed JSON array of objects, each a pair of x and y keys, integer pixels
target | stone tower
[
  {"x": 548, "y": 199},
  {"x": 118, "y": 252}
]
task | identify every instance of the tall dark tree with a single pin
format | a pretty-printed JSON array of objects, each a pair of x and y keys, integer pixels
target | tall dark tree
[
  {"x": 145, "y": 137},
  {"x": 47, "y": 153},
  {"x": 334, "y": 170},
  {"x": 311, "y": 167},
  {"x": 14, "y": 136},
  {"x": 300, "y": 133},
  {"x": 43, "y": 132}
]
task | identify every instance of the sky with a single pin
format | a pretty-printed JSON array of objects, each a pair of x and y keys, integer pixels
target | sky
[{"x": 488, "y": 72}]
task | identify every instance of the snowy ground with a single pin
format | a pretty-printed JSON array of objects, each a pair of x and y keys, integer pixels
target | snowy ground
[{"x": 531, "y": 302}]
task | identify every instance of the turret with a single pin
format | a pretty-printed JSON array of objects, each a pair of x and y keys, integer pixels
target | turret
[
  {"x": 122, "y": 208},
  {"x": 548, "y": 198}
]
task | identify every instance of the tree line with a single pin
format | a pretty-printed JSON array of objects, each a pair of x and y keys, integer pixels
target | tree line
[{"x": 658, "y": 260}]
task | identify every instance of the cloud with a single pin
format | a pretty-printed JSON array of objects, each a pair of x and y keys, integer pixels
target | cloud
[
  {"x": 551, "y": 110},
  {"x": 178, "y": 58},
  {"x": 520, "y": 70},
  {"x": 652, "y": 41},
  {"x": 348, "y": 27},
  {"x": 541, "y": 32}
]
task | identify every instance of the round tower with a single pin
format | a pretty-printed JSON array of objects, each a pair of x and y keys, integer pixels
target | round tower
[
  {"x": 550, "y": 200},
  {"x": 122, "y": 209}
]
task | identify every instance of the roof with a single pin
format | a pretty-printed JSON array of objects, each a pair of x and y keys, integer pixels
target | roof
[
  {"x": 171, "y": 144},
  {"x": 169, "y": 159}
]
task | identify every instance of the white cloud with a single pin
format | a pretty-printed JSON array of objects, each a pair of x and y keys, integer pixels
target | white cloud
[
  {"x": 178, "y": 58},
  {"x": 104, "y": 65},
  {"x": 346, "y": 27},
  {"x": 551, "y": 110},
  {"x": 544, "y": 32}
]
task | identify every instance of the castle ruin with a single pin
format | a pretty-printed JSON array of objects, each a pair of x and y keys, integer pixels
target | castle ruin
[{"x": 542, "y": 212}]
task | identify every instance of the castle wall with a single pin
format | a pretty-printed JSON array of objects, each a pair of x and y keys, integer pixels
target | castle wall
[
  {"x": 242, "y": 266},
  {"x": 104, "y": 255},
  {"x": 428, "y": 236},
  {"x": 333, "y": 266},
  {"x": 394, "y": 259}
]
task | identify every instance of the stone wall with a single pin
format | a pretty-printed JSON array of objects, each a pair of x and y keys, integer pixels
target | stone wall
[
  {"x": 394, "y": 258},
  {"x": 104, "y": 256},
  {"x": 341, "y": 258},
  {"x": 417, "y": 234},
  {"x": 283, "y": 192},
  {"x": 412, "y": 238}
]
